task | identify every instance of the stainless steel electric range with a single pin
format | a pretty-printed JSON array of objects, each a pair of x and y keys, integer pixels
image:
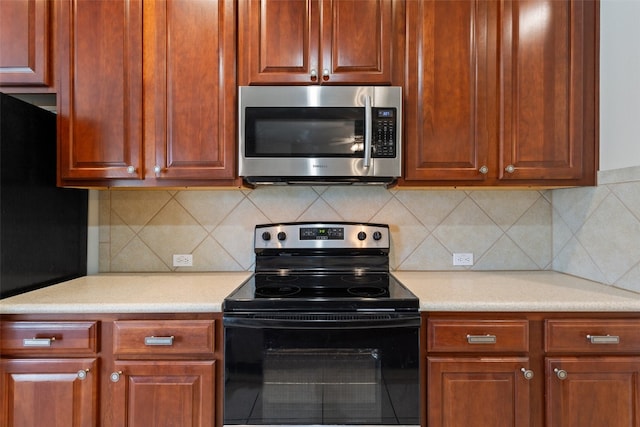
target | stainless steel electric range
[{"x": 322, "y": 333}]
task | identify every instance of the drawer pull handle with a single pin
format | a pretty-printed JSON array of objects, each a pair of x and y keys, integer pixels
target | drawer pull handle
[
  {"x": 38, "y": 342},
  {"x": 603, "y": 339},
  {"x": 82, "y": 374},
  {"x": 158, "y": 340},
  {"x": 481, "y": 339},
  {"x": 527, "y": 373}
]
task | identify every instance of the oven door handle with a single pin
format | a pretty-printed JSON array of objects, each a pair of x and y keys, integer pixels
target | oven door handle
[{"x": 321, "y": 322}]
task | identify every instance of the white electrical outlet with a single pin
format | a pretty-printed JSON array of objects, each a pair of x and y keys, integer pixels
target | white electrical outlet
[
  {"x": 183, "y": 260},
  {"x": 462, "y": 258}
]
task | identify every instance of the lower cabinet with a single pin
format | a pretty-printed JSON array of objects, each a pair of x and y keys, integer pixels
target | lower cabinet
[
  {"x": 531, "y": 369},
  {"x": 49, "y": 373},
  {"x": 111, "y": 370},
  {"x": 159, "y": 377}
]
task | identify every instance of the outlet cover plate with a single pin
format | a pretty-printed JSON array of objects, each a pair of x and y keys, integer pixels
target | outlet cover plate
[{"x": 461, "y": 258}]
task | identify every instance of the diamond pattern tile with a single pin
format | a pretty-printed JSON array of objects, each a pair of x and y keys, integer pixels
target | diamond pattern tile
[{"x": 591, "y": 232}]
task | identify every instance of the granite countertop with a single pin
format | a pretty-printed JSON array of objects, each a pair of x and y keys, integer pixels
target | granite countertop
[{"x": 438, "y": 291}]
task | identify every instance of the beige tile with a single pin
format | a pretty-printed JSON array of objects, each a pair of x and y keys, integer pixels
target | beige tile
[
  {"x": 137, "y": 257},
  {"x": 468, "y": 229},
  {"x": 320, "y": 211},
  {"x": 505, "y": 255},
  {"x": 136, "y": 208},
  {"x": 430, "y": 255},
  {"x": 356, "y": 203},
  {"x": 210, "y": 256},
  {"x": 575, "y": 260},
  {"x": 406, "y": 231},
  {"x": 283, "y": 204},
  {"x": 611, "y": 236},
  {"x": 121, "y": 234},
  {"x": 505, "y": 207},
  {"x": 209, "y": 208},
  {"x": 431, "y": 207},
  {"x": 532, "y": 233},
  {"x": 172, "y": 231}
]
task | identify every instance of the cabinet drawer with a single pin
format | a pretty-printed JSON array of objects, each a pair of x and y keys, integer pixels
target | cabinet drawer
[
  {"x": 163, "y": 337},
  {"x": 46, "y": 338},
  {"x": 592, "y": 336},
  {"x": 477, "y": 336}
]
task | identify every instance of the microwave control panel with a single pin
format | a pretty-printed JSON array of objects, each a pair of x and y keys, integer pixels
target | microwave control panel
[{"x": 384, "y": 132}]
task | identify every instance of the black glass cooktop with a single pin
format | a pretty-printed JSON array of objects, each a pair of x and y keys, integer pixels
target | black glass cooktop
[{"x": 321, "y": 292}]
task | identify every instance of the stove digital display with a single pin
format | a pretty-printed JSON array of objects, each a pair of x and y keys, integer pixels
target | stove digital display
[{"x": 333, "y": 233}]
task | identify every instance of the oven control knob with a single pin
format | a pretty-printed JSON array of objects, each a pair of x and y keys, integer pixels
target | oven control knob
[
  {"x": 362, "y": 235},
  {"x": 282, "y": 236},
  {"x": 266, "y": 236},
  {"x": 377, "y": 235}
]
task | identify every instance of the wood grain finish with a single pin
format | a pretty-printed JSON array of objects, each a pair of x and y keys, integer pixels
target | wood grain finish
[
  {"x": 26, "y": 49},
  {"x": 287, "y": 42},
  {"x": 66, "y": 337},
  {"x": 453, "y": 335},
  {"x": 100, "y": 95},
  {"x": 573, "y": 336},
  {"x": 190, "y": 338},
  {"x": 48, "y": 392},
  {"x": 502, "y": 93},
  {"x": 190, "y": 89}
]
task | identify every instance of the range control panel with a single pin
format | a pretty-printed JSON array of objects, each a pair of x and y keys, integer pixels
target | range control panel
[{"x": 307, "y": 235}]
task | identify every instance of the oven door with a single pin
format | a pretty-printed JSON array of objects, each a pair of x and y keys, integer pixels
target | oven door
[{"x": 322, "y": 369}]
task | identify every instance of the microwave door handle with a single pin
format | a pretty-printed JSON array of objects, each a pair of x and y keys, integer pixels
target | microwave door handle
[{"x": 367, "y": 132}]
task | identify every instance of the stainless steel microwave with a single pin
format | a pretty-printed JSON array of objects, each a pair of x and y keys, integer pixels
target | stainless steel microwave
[{"x": 320, "y": 134}]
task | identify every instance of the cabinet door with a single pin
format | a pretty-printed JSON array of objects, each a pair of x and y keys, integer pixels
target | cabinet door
[
  {"x": 477, "y": 392},
  {"x": 100, "y": 93},
  {"x": 163, "y": 394},
  {"x": 316, "y": 41},
  {"x": 48, "y": 392},
  {"x": 25, "y": 43},
  {"x": 596, "y": 391},
  {"x": 190, "y": 89},
  {"x": 449, "y": 90},
  {"x": 357, "y": 39},
  {"x": 278, "y": 41},
  {"x": 549, "y": 91}
]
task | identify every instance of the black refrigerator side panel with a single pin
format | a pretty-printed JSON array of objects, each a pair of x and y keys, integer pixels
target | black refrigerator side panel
[{"x": 43, "y": 228}]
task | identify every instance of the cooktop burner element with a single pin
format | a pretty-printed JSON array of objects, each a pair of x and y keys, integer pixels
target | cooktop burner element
[{"x": 313, "y": 267}]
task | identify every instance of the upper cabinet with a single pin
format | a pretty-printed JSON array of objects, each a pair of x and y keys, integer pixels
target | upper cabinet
[
  {"x": 147, "y": 93},
  {"x": 501, "y": 93},
  {"x": 319, "y": 41},
  {"x": 26, "y": 46}
]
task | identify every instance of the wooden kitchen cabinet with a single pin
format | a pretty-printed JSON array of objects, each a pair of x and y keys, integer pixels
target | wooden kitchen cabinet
[
  {"x": 147, "y": 93},
  {"x": 478, "y": 372},
  {"x": 164, "y": 373},
  {"x": 501, "y": 93},
  {"x": 319, "y": 41},
  {"x": 592, "y": 372},
  {"x": 27, "y": 56},
  {"x": 49, "y": 374}
]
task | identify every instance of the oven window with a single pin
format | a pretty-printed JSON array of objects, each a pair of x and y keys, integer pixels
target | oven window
[
  {"x": 310, "y": 376},
  {"x": 304, "y": 132}
]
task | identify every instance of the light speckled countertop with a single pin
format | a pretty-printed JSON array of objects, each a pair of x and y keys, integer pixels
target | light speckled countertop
[{"x": 438, "y": 291}]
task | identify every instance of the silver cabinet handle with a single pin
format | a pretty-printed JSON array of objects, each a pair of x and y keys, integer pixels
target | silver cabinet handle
[
  {"x": 510, "y": 169},
  {"x": 528, "y": 373},
  {"x": 38, "y": 342},
  {"x": 325, "y": 74},
  {"x": 158, "y": 340},
  {"x": 157, "y": 169},
  {"x": 482, "y": 339},
  {"x": 115, "y": 376},
  {"x": 367, "y": 132},
  {"x": 484, "y": 169},
  {"x": 560, "y": 373},
  {"x": 603, "y": 339},
  {"x": 82, "y": 374},
  {"x": 313, "y": 74},
  {"x": 131, "y": 170}
]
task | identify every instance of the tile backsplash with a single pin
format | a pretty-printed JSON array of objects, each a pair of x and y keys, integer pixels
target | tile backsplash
[
  {"x": 591, "y": 232},
  {"x": 141, "y": 230}
]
